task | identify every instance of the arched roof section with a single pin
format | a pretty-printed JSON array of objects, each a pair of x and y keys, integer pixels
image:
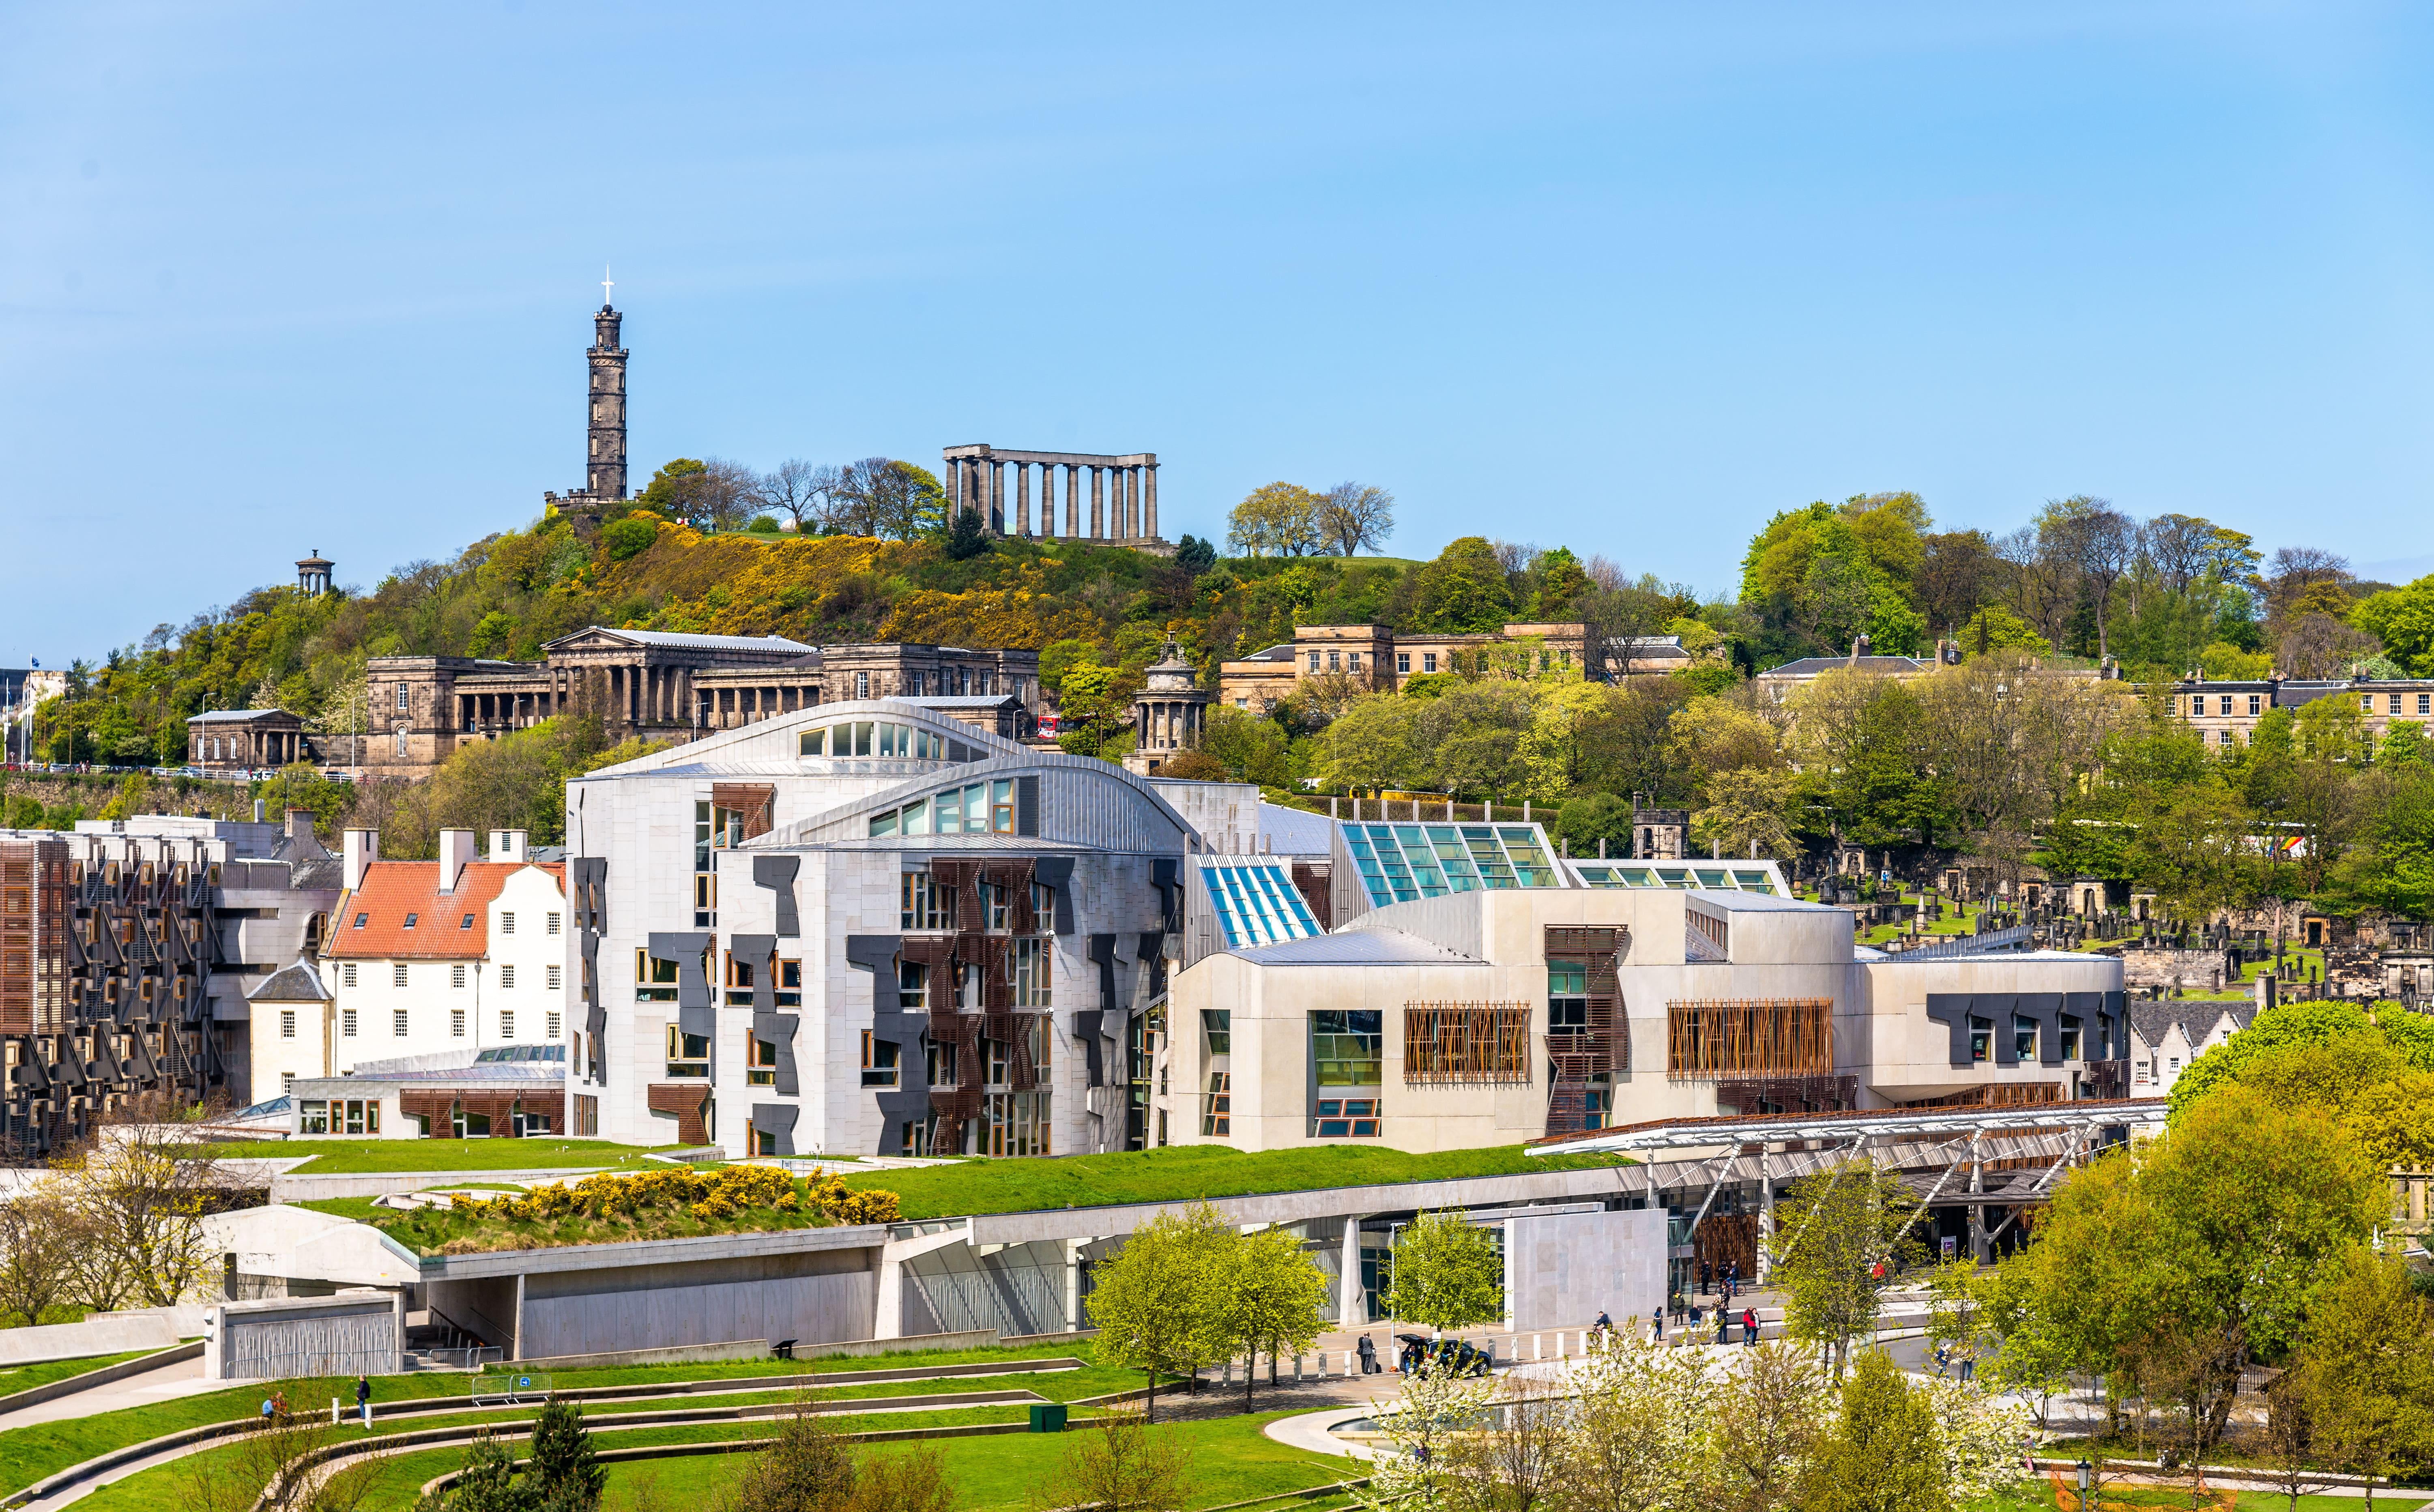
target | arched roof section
[
  {"x": 773, "y": 745},
  {"x": 1081, "y": 802}
]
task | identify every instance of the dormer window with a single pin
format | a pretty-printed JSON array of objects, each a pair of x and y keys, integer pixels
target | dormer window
[
  {"x": 468, "y": 922},
  {"x": 410, "y": 921},
  {"x": 361, "y": 919}
]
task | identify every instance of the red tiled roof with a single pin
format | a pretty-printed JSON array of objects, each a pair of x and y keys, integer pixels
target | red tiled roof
[{"x": 391, "y": 890}]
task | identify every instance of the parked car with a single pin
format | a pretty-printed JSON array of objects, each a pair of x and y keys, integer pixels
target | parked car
[{"x": 1422, "y": 1355}]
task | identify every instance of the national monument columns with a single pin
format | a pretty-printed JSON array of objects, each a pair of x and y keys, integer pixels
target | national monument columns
[{"x": 1123, "y": 492}]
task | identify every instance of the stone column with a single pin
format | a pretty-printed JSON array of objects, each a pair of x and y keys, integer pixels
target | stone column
[
  {"x": 1048, "y": 498},
  {"x": 1073, "y": 501},
  {"x": 1350, "y": 1314},
  {"x": 1149, "y": 500},
  {"x": 1097, "y": 519},
  {"x": 1022, "y": 498},
  {"x": 1128, "y": 483}
]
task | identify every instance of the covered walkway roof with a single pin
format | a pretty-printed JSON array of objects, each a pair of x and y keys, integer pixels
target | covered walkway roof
[{"x": 1774, "y": 1128}]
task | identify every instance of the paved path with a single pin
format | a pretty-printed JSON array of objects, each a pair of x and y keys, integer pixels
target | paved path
[{"x": 182, "y": 1379}]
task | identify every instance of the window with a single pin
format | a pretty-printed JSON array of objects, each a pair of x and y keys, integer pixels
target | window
[
  {"x": 1477, "y": 1042},
  {"x": 2256, "y": 703},
  {"x": 879, "y": 1061},
  {"x": 739, "y": 982},
  {"x": 997, "y": 907},
  {"x": 457, "y": 1023},
  {"x": 926, "y": 906},
  {"x": 2024, "y": 1038},
  {"x": 586, "y": 1117},
  {"x": 914, "y": 1137},
  {"x": 1352, "y": 662},
  {"x": 938, "y": 1062},
  {"x": 288, "y": 1081},
  {"x": 397, "y": 1022},
  {"x": 1043, "y": 908},
  {"x": 410, "y": 921},
  {"x": 2425, "y": 703},
  {"x": 2175, "y": 1065},
  {"x": 551, "y": 920},
  {"x": 1349, "y": 1118},
  {"x": 506, "y": 976},
  {"x": 347, "y": 1022},
  {"x": 347, "y": 974},
  {"x": 2395, "y": 703},
  {"x": 507, "y": 923},
  {"x": 688, "y": 1054},
  {"x": 1782, "y": 1036},
  {"x": 401, "y": 743},
  {"x": 2223, "y": 737},
  {"x": 1982, "y": 1039},
  {"x": 761, "y": 1063},
  {"x": 467, "y": 922},
  {"x": 790, "y": 983},
  {"x": 1347, "y": 1048},
  {"x": 287, "y": 1023},
  {"x": 1217, "y": 1103},
  {"x": 912, "y": 986},
  {"x": 2226, "y": 703},
  {"x": 553, "y": 978},
  {"x": 1334, "y": 662},
  {"x": 1567, "y": 997},
  {"x": 456, "y": 975},
  {"x": 1014, "y": 1123},
  {"x": 397, "y": 973},
  {"x": 1402, "y": 661},
  {"x": 862, "y": 684},
  {"x": 1313, "y": 660},
  {"x": 1218, "y": 1026},
  {"x": 312, "y": 1117},
  {"x": 361, "y": 919},
  {"x": 655, "y": 980},
  {"x": 506, "y": 1023},
  {"x": 2070, "y": 1027},
  {"x": 1428, "y": 661}
]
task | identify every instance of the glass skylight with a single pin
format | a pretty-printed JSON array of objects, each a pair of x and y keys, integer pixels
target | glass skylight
[
  {"x": 1258, "y": 904},
  {"x": 1400, "y": 862},
  {"x": 1711, "y": 877}
]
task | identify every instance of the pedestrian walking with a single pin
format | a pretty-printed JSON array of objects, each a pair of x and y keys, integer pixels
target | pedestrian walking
[
  {"x": 1749, "y": 1326},
  {"x": 1368, "y": 1350},
  {"x": 1968, "y": 1368},
  {"x": 1656, "y": 1316},
  {"x": 364, "y": 1400},
  {"x": 1723, "y": 1321},
  {"x": 1943, "y": 1358},
  {"x": 1706, "y": 1275}
]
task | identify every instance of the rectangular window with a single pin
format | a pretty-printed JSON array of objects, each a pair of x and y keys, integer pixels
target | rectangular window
[
  {"x": 1043, "y": 909},
  {"x": 1402, "y": 661},
  {"x": 1351, "y": 662},
  {"x": 2070, "y": 1027},
  {"x": 287, "y": 1023},
  {"x": 1334, "y": 662},
  {"x": 1031, "y": 968},
  {"x": 1479, "y": 1042},
  {"x": 2226, "y": 703},
  {"x": 912, "y": 986},
  {"x": 879, "y": 1061},
  {"x": 507, "y": 923},
  {"x": 1313, "y": 660},
  {"x": 2395, "y": 703},
  {"x": 926, "y": 906},
  {"x": 1015, "y": 1123},
  {"x": 739, "y": 982},
  {"x": 2024, "y": 1038},
  {"x": 655, "y": 980},
  {"x": 1428, "y": 661},
  {"x": 457, "y": 1023},
  {"x": 553, "y": 977},
  {"x": 552, "y": 923},
  {"x": 2425, "y": 703},
  {"x": 1348, "y": 1118},
  {"x": 1002, "y": 806},
  {"x": 1982, "y": 1039},
  {"x": 397, "y": 1023},
  {"x": 347, "y": 974},
  {"x": 556, "y": 1024},
  {"x": 312, "y": 1117},
  {"x": 401, "y": 743},
  {"x": 688, "y": 1054},
  {"x": 761, "y": 1066},
  {"x": 467, "y": 922},
  {"x": 401, "y": 697},
  {"x": 397, "y": 975},
  {"x": 2223, "y": 737},
  {"x": 1217, "y": 1025},
  {"x": 1347, "y": 1048},
  {"x": 2256, "y": 703},
  {"x": 862, "y": 684},
  {"x": 586, "y": 1117},
  {"x": 410, "y": 921},
  {"x": 506, "y": 1023},
  {"x": 938, "y": 1062},
  {"x": 456, "y": 976},
  {"x": 347, "y": 1022},
  {"x": 914, "y": 1137},
  {"x": 507, "y": 977},
  {"x": 1217, "y": 1104},
  {"x": 1783, "y": 1036},
  {"x": 790, "y": 983}
]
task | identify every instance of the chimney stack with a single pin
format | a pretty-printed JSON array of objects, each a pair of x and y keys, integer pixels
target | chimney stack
[
  {"x": 455, "y": 852},
  {"x": 299, "y": 824},
  {"x": 361, "y": 848}
]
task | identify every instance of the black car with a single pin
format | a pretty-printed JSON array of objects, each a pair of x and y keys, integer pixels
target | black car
[{"x": 1422, "y": 1355}]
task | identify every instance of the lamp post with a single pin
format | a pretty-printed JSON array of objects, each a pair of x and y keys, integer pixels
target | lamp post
[{"x": 2083, "y": 1476}]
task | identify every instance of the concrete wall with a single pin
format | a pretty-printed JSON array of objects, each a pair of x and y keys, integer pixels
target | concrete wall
[
  {"x": 1562, "y": 1271},
  {"x": 341, "y": 1335},
  {"x": 817, "y": 1297}
]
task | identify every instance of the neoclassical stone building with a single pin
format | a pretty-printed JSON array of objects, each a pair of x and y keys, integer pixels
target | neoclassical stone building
[{"x": 662, "y": 685}]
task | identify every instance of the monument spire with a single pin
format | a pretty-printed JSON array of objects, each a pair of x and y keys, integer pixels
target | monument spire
[{"x": 605, "y": 466}]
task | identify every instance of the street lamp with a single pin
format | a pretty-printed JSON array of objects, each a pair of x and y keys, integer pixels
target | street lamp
[{"x": 2083, "y": 1470}]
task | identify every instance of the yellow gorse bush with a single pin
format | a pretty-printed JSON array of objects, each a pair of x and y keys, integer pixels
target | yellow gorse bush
[{"x": 707, "y": 1195}]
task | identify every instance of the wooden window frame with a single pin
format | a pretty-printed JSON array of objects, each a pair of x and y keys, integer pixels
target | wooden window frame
[{"x": 1482, "y": 1043}]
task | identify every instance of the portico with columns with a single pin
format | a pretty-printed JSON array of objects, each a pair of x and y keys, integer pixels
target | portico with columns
[
  {"x": 1123, "y": 506},
  {"x": 1167, "y": 713}
]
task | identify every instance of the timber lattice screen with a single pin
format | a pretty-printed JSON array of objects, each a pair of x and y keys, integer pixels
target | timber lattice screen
[
  {"x": 1466, "y": 1043},
  {"x": 1717, "y": 1037}
]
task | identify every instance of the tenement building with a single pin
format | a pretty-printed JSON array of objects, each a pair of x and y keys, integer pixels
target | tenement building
[
  {"x": 1375, "y": 657},
  {"x": 128, "y": 949},
  {"x": 2226, "y": 713},
  {"x": 865, "y": 927},
  {"x": 664, "y": 685}
]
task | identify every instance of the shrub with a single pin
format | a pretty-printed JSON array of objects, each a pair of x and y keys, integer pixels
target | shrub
[{"x": 629, "y": 537}]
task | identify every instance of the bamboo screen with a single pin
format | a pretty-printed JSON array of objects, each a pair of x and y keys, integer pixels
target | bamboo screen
[
  {"x": 1714, "y": 1036},
  {"x": 1466, "y": 1043}
]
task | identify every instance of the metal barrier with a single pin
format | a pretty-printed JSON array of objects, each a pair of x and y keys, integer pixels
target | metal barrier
[{"x": 493, "y": 1388}]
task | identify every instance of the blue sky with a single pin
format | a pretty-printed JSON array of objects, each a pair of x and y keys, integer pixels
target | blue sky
[{"x": 278, "y": 277}]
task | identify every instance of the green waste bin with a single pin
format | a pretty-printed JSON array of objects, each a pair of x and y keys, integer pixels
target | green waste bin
[{"x": 1047, "y": 1417}]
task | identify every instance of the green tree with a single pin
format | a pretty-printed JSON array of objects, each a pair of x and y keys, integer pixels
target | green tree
[
  {"x": 629, "y": 537},
  {"x": 806, "y": 1467},
  {"x": 565, "y": 1473},
  {"x": 1749, "y": 813},
  {"x": 1351, "y": 517},
  {"x": 1447, "y": 1272},
  {"x": 1463, "y": 592},
  {"x": 2403, "y": 620},
  {"x": 2367, "y": 1356},
  {"x": 1253, "y": 749},
  {"x": 1273, "y": 1291},
  {"x": 1372, "y": 744},
  {"x": 1833, "y": 1234},
  {"x": 1116, "y": 1461},
  {"x": 967, "y": 538},
  {"x": 1561, "y": 581},
  {"x": 1884, "y": 1455},
  {"x": 1275, "y": 519},
  {"x": 1093, "y": 709},
  {"x": 1159, "y": 1302},
  {"x": 1586, "y": 822},
  {"x": 487, "y": 1484}
]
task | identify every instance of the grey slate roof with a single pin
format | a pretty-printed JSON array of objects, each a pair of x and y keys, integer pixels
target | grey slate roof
[
  {"x": 1290, "y": 831},
  {"x": 706, "y": 642},
  {"x": 297, "y": 983},
  {"x": 238, "y": 717},
  {"x": 2197, "y": 1019},
  {"x": 1358, "y": 947},
  {"x": 1809, "y": 666}
]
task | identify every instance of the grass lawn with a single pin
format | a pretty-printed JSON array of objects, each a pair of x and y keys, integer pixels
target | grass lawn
[
  {"x": 2040, "y": 1496},
  {"x": 367, "y": 1157},
  {"x": 29, "y": 1453},
  {"x": 1231, "y": 1462},
  {"x": 1182, "y": 1171},
  {"x": 26, "y": 1377}
]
